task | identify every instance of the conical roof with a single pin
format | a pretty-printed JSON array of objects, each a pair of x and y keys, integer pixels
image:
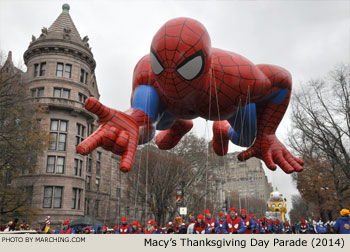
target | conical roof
[
  {"x": 61, "y": 37},
  {"x": 65, "y": 24}
]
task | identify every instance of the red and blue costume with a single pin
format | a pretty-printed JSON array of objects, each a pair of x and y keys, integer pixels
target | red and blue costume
[
  {"x": 248, "y": 222},
  {"x": 183, "y": 78},
  {"x": 221, "y": 227},
  {"x": 235, "y": 224},
  {"x": 124, "y": 228},
  {"x": 211, "y": 221},
  {"x": 66, "y": 229},
  {"x": 287, "y": 227},
  {"x": 200, "y": 227}
]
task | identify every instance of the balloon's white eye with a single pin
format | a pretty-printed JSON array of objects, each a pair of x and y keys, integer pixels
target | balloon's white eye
[
  {"x": 157, "y": 68},
  {"x": 191, "y": 67}
]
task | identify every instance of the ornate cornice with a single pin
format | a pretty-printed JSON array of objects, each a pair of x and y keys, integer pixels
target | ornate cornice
[{"x": 58, "y": 49}]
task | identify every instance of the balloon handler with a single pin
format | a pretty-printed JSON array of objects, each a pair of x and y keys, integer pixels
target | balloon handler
[{"x": 183, "y": 78}]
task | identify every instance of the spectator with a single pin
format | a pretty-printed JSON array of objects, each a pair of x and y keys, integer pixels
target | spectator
[{"x": 342, "y": 225}]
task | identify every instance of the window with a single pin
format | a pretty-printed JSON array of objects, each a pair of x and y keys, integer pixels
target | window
[
  {"x": 40, "y": 92},
  {"x": 60, "y": 165},
  {"x": 68, "y": 71},
  {"x": 87, "y": 206},
  {"x": 97, "y": 184},
  {"x": 57, "y": 199},
  {"x": 89, "y": 163},
  {"x": 33, "y": 92},
  {"x": 118, "y": 192},
  {"x": 59, "y": 70},
  {"x": 78, "y": 167},
  {"x": 88, "y": 182},
  {"x": 36, "y": 70},
  {"x": 42, "y": 68},
  {"x": 52, "y": 197},
  {"x": 61, "y": 93},
  {"x": 55, "y": 164},
  {"x": 90, "y": 128},
  {"x": 37, "y": 92},
  {"x": 97, "y": 202},
  {"x": 57, "y": 137},
  {"x": 98, "y": 163},
  {"x": 82, "y": 97},
  {"x": 83, "y": 76},
  {"x": 80, "y": 135},
  {"x": 76, "y": 196},
  {"x": 47, "y": 197}
]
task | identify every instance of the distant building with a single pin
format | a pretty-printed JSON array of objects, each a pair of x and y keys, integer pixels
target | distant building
[{"x": 246, "y": 179}]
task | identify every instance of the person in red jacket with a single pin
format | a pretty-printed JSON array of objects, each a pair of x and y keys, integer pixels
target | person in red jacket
[
  {"x": 87, "y": 230},
  {"x": 135, "y": 228},
  {"x": 248, "y": 222},
  {"x": 265, "y": 226},
  {"x": 287, "y": 227},
  {"x": 210, "y": 221},
  {"x": 66, "y": 229},
  {"x": 149, "y": 229},
  {"x": 124, "y": 228},
  {"x": 200, "y": 227},
  {"x": 105, "y": 229},
  {"x": 235, "y": 224}
]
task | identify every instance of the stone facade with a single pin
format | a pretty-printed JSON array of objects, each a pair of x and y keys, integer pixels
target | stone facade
[
  {"x": 247, "y": 178},
  {"x": 66, "y": 185}
]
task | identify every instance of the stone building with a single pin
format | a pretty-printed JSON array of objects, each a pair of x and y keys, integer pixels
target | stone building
[
  {"x": 245, "y": 180},
  {"x": 66, "y": 185}
]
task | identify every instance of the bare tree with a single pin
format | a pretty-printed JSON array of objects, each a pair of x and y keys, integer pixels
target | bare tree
[
  {"x": 157, "y": 174},
  {"x": 21, "y": 141},
  {"x": 321, "y": 135},
  {"x": 299, "y": 209}
]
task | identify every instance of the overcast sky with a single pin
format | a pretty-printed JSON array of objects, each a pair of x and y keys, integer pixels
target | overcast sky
[{"x": 306, "y": 37}]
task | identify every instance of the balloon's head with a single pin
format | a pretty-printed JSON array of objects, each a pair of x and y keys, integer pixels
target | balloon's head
[{"x": 180, "y": 57}]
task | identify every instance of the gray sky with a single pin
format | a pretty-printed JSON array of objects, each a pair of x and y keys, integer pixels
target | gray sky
[{"x": 306, "y": 37}]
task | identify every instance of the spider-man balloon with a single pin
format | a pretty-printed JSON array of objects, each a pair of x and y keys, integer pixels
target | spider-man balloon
[{"x": 183, "y": 78}]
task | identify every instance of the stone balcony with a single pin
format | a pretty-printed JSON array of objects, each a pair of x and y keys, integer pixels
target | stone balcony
[{"x": 75, "y": 108}]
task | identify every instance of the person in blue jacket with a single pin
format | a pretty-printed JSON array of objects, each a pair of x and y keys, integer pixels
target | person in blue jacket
[{"x": 342, "y": 225}]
